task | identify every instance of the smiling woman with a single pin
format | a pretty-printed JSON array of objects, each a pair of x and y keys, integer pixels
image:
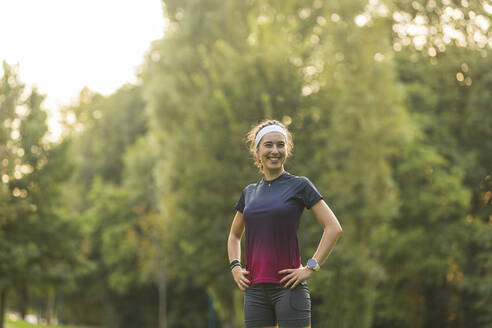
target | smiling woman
[
  {"x": 62, "y": 46},
  {"x": 267, "y": 127},
  {"x": 273, "y": 278}
]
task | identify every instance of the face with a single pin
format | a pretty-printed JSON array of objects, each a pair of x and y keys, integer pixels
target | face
[{"x": 272, "y": 151}]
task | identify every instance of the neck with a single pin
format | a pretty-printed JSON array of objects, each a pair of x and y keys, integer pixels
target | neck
[{"x": 272, "y": 174}]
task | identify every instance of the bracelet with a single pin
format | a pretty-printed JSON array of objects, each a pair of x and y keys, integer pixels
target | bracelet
[{"x": 235, "y": 263}]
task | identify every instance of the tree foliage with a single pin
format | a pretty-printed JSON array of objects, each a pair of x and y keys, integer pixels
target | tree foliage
[
  {"x": 389, "y": 105},
  {"x": 38, "y": 244}
]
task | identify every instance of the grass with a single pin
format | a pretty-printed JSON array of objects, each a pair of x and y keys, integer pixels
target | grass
[{"x": 9, "y": 323}]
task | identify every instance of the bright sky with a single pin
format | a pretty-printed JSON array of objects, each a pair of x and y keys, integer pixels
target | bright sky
[{"x": 64, "y": 45}]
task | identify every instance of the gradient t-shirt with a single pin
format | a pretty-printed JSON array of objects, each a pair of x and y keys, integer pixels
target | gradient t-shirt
[{"x": 272, "y": 211}]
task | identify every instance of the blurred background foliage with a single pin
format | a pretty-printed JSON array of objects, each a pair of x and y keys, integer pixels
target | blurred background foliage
[{"x": 123, "y": 222}]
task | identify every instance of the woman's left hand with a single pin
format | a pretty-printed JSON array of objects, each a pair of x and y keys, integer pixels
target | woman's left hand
[{"x": 295, "y": 276}]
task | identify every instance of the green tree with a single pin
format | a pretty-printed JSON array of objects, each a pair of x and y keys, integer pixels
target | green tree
[
  {"x": 102, "y": 128},
  {"x": 442, "y": 95},
  {"x": 423, "y": 249},
  {"x": 124, "y": 234},
  {"x": 204, "y": 92},
  {"x": 39, "y": 245},
  {"x": 435, "y": 26}
]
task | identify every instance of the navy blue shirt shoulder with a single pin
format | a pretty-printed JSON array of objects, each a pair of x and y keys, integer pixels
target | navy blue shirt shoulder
[{"x": 287, "y": 186}]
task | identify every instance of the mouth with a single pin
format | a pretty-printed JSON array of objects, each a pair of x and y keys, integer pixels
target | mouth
[{"x": 274, "y": 159}]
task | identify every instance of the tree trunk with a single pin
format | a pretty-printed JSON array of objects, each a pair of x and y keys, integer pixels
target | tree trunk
[
  {"x": 59, "y": 307},
  {"x": 228, "y": 318},
  {"x": 228, "y": 322},
  {"x": 24, "y": 295},
  {"x": 436, "y": 307},
  {"x": 161, "y": 276},
  {"x": 3, "y": 301},
  {"x": 162, "y": 283},
  {"x": 50, "y": 307}
]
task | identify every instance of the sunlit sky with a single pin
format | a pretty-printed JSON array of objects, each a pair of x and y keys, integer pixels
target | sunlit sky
[{"x": 63, "y": 45}]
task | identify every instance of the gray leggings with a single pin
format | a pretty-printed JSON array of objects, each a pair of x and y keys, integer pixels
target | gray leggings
[{"x": 269, "y": 304}]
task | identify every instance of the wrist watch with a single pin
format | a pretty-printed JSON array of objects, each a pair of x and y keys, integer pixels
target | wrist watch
[{"x": 313, "y": 264}]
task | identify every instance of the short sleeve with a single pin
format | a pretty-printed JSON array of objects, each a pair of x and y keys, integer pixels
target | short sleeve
[
  {"x": 241, "y": 203},
  {"x": 310, "y": 195}
]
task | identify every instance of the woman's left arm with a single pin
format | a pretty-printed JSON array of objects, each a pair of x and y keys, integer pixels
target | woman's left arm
[{"x": 331, "y": 232}]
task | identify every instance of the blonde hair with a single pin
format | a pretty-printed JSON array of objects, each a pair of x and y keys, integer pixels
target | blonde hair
[{"x": 251, "y": 136}]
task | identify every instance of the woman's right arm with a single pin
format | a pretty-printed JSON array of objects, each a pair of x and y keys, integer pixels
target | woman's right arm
[{"x": 234, "y": 251}]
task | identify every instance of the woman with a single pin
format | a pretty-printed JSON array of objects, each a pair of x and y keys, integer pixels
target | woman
[{"x": 276, "y": 293}]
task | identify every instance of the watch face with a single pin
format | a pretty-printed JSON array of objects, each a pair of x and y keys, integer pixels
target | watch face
[{"x": 311, "y": 263}]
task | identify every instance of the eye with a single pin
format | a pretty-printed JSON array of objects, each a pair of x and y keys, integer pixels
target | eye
[{"x": 268, "y": 144}]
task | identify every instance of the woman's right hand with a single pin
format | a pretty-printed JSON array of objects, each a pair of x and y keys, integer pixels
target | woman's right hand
[{"x": 239, "y": 275}]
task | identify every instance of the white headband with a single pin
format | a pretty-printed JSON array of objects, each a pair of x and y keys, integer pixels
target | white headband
[{"x": 268, "y": 129}]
